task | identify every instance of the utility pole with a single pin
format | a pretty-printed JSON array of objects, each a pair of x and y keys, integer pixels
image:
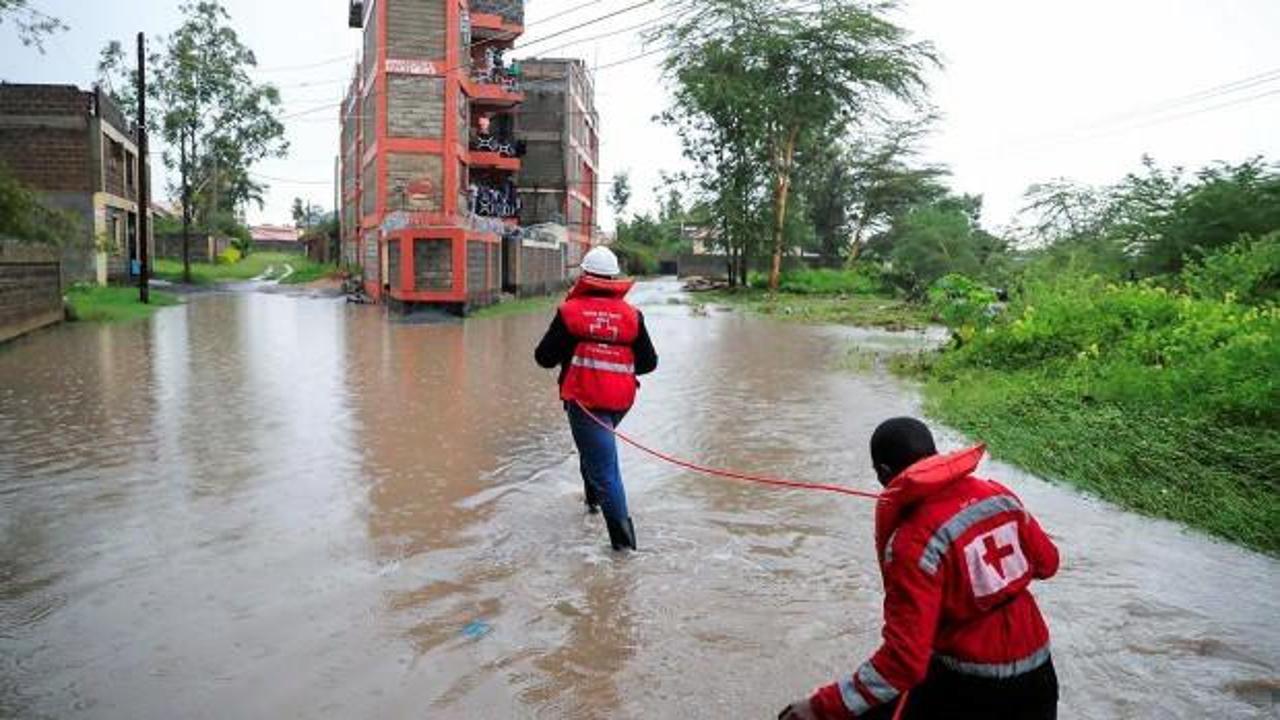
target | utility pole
[
  {"x": 214, "y": 204},
  {"x": 186, "y": 207},
  {"x": 144, "y": 179}
]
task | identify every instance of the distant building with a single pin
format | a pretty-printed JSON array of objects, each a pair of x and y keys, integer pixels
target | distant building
[
  {"x": 559, "y": 181},
  {"x": 77, "y": 150},
  {"x": 428, "y": 161},
  {"x": 277, "y": 238}
]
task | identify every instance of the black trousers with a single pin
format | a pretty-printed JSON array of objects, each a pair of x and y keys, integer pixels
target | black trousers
[{"x": 950, "y": 695}]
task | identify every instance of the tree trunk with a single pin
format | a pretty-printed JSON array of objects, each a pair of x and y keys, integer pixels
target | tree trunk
[
  {"x": 186, "y": 208},
  {"x": 781, "y": 189},
  {"x": 855, "y": 247}
]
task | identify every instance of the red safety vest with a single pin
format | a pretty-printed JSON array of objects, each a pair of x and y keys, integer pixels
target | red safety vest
[
  {"x": 602, "y": 373},
  {"x": 958, "y": 554}
]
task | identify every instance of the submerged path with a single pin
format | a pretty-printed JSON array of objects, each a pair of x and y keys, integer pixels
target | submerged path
[{"x": 261, "y": 505}]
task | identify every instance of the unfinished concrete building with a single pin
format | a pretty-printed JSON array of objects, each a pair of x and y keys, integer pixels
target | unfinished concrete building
[
  {"x": 77, "y": 151},
  {"x": 561, "y": 129},
  {"x": 429, "y": 159}
]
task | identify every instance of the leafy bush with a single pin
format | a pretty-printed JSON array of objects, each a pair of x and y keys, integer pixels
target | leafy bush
[
  {"x": 1166, "y": 402},
  {"x": 1140, "y": 344},
  {"x": 637, "y": 259},
  {"x": 24, "y": 218},
  {"x": 866, "y": 279},
  {"x": 1247, "y": 271},
  {"x": 230, "y": 256},
  {"x": 962, "y": 304}
]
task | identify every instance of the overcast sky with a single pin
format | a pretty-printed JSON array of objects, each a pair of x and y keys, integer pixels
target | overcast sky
[{"x": 1029, "y": 91}]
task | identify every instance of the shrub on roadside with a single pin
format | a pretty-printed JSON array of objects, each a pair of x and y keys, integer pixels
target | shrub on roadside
[
  {"x": 1247, "y": 271},
  {"x": 636, "y": 259},
  {"x": 230, "y": 256},
  {"x": 962, "y": 305},
  {"x": 863, "y": 280}
]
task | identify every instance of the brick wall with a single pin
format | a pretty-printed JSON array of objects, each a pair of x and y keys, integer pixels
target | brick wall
[
  {"x": 44, "y": 136},
  {"x": 415, "y": 29},
  {"x": 420, "y": 179},
  {"x": 30, "y": 289},
  {"x": 415, "y": 106}
]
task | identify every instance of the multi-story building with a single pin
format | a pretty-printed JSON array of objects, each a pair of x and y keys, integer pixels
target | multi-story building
[
  {"x": 77, "y": 151},
  {"x": 561, "y": 129},
  {"x": 428, "y": 152}
]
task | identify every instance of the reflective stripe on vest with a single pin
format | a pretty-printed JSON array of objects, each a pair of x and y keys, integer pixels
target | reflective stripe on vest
[
  {"x": 606, "y": 366},
  {"x": 873, "y": 681},
  {"x": 959, "y": 523},
  {"x": 998, "y": 671}
]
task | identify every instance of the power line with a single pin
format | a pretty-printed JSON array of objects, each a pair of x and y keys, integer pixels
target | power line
[
  {"x": 292, "y": 68},
  {"x": 1155, "y": 108},
  {"x": 588, "y": 23},
  {"x": 593, "y": 38},
  {"x": 1192, "y": 98},
  {"x": 562, "y": 13}
]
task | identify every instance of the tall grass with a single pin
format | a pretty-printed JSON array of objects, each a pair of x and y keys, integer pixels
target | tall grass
[
  {"x": 91, "y": 303},
  {"x": 1164, "y": 402}
]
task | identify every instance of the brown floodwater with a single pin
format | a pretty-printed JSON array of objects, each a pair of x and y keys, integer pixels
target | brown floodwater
[{"x": 260, "y": 505}]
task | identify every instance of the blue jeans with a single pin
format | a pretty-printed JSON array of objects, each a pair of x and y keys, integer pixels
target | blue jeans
[{"x": 598, "y": 459}]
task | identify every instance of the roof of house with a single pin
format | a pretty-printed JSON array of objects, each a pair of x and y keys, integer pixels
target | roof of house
[{"x": 274, "y": 233}]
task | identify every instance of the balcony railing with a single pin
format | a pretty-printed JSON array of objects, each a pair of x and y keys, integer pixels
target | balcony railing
[
  {"x": 494, "y": 201},
  {"x": 504, "y": 146},
  {"x": 511, "y": 11},
  {"x": 500, "y": 77}
]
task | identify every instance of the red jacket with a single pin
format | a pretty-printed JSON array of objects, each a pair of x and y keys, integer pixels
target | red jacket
[
  {"x": 957, "y": 554},
  {"x": 602, "y": 373}
]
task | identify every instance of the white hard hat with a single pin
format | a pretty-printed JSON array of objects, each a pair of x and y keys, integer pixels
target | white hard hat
[{"x": 600, "y": 260}]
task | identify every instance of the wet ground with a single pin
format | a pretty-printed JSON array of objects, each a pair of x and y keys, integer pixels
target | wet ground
[{"x": 268, "y": 505}]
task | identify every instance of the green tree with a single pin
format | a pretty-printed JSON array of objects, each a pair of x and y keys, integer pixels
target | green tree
[
  {"x": 33, "y": 26},
  {"x": 620, "y": 194},
  {"x": 215, "y": 120},
  {"x": 306, "y": 214},
  {"x": 886, "y": 181},
  {"x": 798, "y": 72},
  {"x": 25, "y": 218},
  {"x": 940, "y": 238}
]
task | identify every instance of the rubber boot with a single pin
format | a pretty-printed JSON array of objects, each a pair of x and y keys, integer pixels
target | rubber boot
[
  {"x": 622, "y": 535},
  {"x": 592, "y": 501}
]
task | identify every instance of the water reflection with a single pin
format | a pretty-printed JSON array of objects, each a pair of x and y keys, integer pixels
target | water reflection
[{"x": 258, "y": 505}]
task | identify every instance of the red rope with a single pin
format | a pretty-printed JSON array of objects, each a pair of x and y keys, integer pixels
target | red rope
[
  {"x": 732, "y": 474},
  {"x": 902, "y": 705}
]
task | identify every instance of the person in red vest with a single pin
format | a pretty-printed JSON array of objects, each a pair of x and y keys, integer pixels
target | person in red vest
[
  {"x": 600, "y": 343},
  {"x": 963, "y": 637}
]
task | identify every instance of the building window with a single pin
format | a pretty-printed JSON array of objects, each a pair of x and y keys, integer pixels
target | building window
[{"x": 432, "y": 264}]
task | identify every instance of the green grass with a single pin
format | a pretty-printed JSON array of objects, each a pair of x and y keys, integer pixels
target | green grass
[
  {"x": 114, "y": 304},
  {"x": 524, "y": 306},
  {"x": 256, "y": 265},
  {"x": 305, "y": 271},
  {"x": 1185, "y": 467},
  {"x": 1162, "y": 402},
  {"x": 859, "y": 309}
]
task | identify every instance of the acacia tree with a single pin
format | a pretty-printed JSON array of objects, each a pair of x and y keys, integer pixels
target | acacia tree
[
  {"x": 33, "y": 26},
  {"x": 886, "y": 183},
  {"x": 216, "y": 122},
  {"x": 620, "y": 194},
  {"x": 718, "y": 132},
  {"x": 799, "y": 72}
]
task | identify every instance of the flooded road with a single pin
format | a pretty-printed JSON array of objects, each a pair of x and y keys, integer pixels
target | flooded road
[{"x": 258, "y": 505}]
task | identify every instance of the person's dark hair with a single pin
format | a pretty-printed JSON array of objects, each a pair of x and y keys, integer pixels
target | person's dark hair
[{"x": 899, "y": 443}]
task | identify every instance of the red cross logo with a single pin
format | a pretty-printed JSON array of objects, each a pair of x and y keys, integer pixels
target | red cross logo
[
  {"x": 995, "y": 554},
  {"x": 603, "y": 327}
]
